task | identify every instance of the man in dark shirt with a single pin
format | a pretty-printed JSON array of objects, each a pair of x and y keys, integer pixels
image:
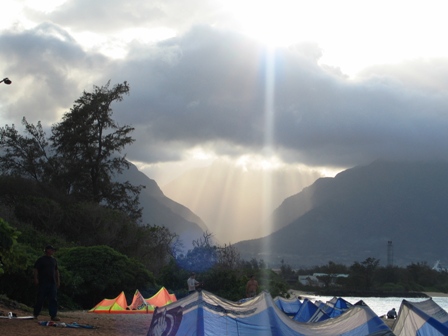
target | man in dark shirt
[
  {"x": 392, "y": 314},
  {"x": 46, "y": 277}
]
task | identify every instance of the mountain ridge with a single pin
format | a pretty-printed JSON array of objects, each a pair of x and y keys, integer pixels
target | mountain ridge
[
  {"x": 163, "y": 211},
  {"x": 355, "y": 214}
]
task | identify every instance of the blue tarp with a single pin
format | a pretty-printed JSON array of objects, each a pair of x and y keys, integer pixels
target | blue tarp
[
  {"x": 309, "y": 312},
  {"x": 432, "y": 309},
  {"x": 203, "y": 314},
  {"x": 335, "y": 307},
  {"x": 289, "y": 306},
  {"x": 412, "y": 320}
]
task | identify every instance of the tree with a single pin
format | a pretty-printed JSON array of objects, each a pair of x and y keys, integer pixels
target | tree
[
  {"x": 93, "y": 273},
  {"x": 331, "y": 271},
  {"x": 420, "y": 273},
  {"x": 25, "y": 155},
  {"x": 82, "y": 155},
  {"x": 362, "y": 273},
  {"x": 8, "y": 239},
  {"x": 286, "y": 272},
  {"x": 87, "y": 143},
  {"x": 202, "y": 257},
  {"x": 228, "y": 257},
  {"x": 153, "y": 246}
]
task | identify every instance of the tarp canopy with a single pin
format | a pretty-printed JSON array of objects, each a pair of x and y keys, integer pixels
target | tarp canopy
[
  {"x": 413, "y": 320},
  {"x": 432, "y": 309},
  {"x": 139, "y": 304},
  {"x": 335, "y": 307},
  {"x": 309, "y": 312},
  {"x": 203, "y": 313},
  {"x": 288, "y": 306}
]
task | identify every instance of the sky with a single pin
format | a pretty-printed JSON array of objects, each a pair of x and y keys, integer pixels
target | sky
[{"x": 299, "y": 88}]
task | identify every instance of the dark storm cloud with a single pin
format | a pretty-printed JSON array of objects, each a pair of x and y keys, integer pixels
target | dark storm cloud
[{"x": 208, "y": 88}]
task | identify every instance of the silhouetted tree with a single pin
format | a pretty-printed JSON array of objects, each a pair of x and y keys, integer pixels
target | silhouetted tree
[
  {"x": 87, "y": 143},
  {"x": 362, "y": 273},
  {"x": 27, "y": 155},
  {"x": 82, "y": 155},
  {"x": 202, "y": 257}
]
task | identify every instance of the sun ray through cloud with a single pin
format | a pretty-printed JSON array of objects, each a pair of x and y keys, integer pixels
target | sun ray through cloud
[{"x": 269, "y": 105}]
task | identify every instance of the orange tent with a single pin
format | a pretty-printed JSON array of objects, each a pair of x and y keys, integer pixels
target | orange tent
[
  {"x": 161, "y": 298},
  {"x": 139, "y": 304},
  {"x": 117, "y": 305}
]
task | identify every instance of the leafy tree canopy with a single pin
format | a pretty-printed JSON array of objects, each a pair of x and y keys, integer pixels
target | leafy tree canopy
[
  {"x": 93, "y": 273},
  {"x": 82, "y": 155},
  {"x": 8, "y": 239}
]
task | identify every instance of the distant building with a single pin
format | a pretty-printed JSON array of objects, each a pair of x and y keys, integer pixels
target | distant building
[
  {"x": 310, "y": 280},
  {"x": 313, "y": 280}
]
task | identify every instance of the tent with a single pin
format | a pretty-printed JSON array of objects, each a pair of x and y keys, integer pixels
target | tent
[
  {"x": 340, "y": 303},
  {"x": 161, "y": 298},
  {"x": 289, "y": 306},
  {"x": 203, "y": 313},
  {"x": 139, "y": 304},
  {"x": 420, "y": 318},
  {"x": 117, "y": 305},
  {"x": 432, "y": 309},
  {"x": 334, "y": 307},
  {"x": 309, "y": 312}
]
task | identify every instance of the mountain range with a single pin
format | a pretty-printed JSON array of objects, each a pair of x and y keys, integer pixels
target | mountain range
[
  {"x": 396, "y": 212},
  {"x": 357, "y": 213}
]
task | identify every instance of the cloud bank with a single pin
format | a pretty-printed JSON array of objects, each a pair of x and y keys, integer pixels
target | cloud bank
[{"x": 210, "y": 87}]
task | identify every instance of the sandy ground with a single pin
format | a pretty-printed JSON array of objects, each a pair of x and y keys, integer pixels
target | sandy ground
[
  {"x": 436, "y": 294},
  {"x": 104, "y": 324}
]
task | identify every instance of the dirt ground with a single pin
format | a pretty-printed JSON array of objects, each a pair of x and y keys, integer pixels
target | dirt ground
[{"x": 104, "y": 324}]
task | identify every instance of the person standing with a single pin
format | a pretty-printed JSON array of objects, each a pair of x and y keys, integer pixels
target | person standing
[
  {"x": 192, "y": 283},
  {"x": 251, "y": 287},
  {"x": 47, "y": 280}
]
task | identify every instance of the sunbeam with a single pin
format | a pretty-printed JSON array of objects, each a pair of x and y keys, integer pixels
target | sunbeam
[{"x": 269, "y": 105}]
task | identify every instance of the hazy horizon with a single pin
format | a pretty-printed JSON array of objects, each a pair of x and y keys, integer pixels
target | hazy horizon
[{"x": 233, "y": 202}]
